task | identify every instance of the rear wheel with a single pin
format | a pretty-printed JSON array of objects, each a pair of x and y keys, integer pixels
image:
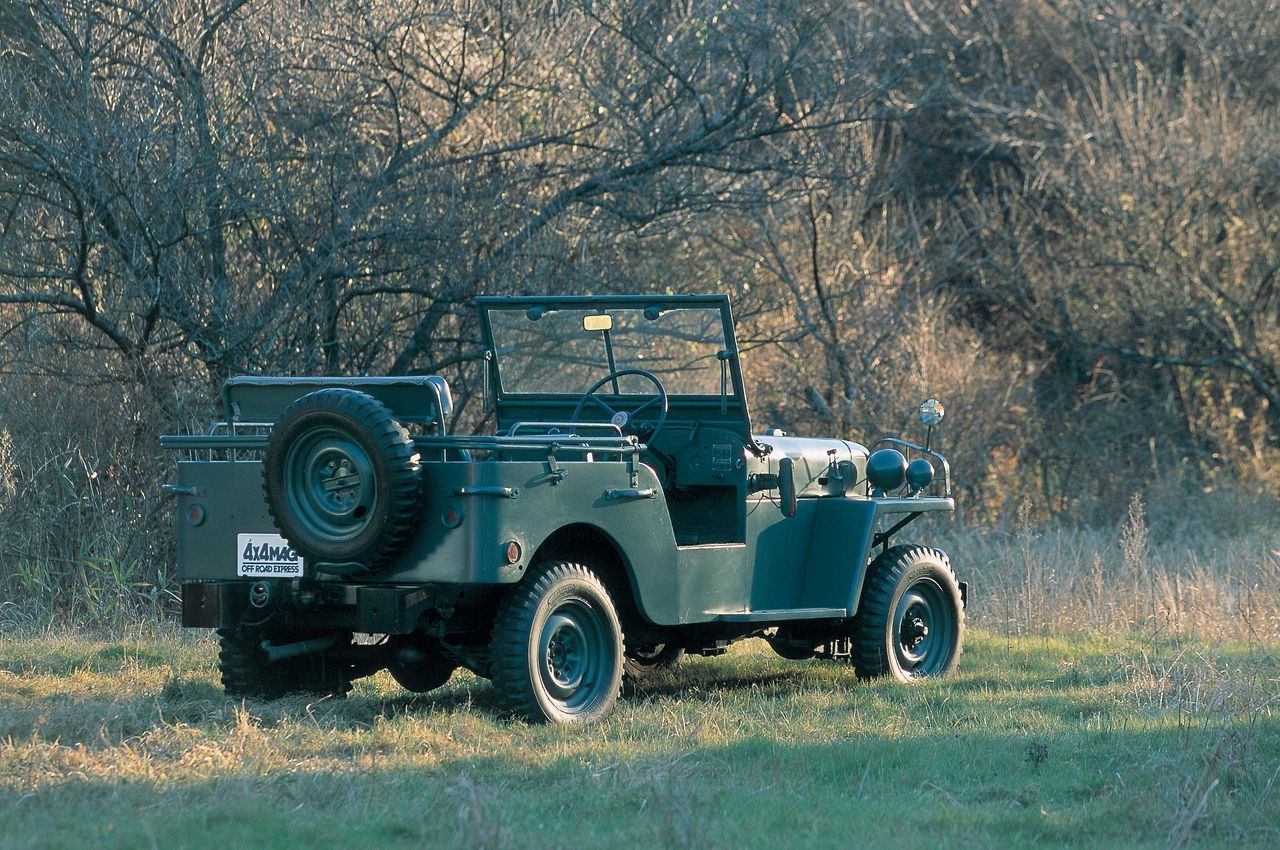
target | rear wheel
[
  {"x": 246, "y": 672},
  {"x": 643, "y": 661},
  {"x": 556, "y": 652},
  {"x": 910, "y": 622}
]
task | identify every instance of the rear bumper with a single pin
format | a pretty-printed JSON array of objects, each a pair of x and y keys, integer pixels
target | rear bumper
[{"x": 381, "y": 609}]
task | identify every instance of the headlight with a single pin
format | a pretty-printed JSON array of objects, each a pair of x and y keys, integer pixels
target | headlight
[
  {"x": 919, "y": 474},
  {"x": 886, "y": 470}
]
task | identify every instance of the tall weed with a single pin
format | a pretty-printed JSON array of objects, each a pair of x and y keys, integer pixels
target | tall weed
[
  {"x": 1053, "y": 576},
  {"x": 85, "y": 532}
]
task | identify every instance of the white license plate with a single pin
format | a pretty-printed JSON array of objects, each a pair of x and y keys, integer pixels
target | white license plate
[{"x": 266, "y": 556}]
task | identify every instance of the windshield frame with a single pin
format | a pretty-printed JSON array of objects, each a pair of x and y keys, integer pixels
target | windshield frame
[
  {"x": 606, "y": 304},
  {"x": 705, "y": 409}
]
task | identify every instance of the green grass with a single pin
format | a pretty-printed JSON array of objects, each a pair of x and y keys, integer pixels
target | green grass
[{"x": 1085, "y": 740}]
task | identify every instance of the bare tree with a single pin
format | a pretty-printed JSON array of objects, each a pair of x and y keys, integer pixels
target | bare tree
[{"x": 259, "y": 185}]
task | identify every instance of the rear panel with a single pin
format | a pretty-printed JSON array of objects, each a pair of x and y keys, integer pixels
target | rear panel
[
  {"x": 470, "y": 513},
  {"x": 226, "y": 500}
]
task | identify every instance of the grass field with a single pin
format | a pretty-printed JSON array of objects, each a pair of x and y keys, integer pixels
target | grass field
[{"x": 1087, "y": 740}]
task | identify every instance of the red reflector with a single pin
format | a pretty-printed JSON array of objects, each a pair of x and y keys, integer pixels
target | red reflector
[
  {"x": 451, "y": 517},
  {"x": 513, "y": 551},
  {"x": 195, "y": 514}
]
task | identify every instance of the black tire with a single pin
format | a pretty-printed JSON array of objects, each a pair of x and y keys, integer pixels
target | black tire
[
  {"x": 342, "y": 478},
  {"x": 643, "y": 661},
  {"x": 246, "y": 672},
  {"x": 423, "y": 675},
  {"x": 556, "y": 653},
  {"x": 910, "y": 623}
]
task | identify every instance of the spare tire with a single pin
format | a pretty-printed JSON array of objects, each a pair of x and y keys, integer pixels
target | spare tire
[{"x": 342, "y": 478}]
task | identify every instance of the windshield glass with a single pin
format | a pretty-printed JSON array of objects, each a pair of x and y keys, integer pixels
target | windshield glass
[{"x": 552, "y": 352}]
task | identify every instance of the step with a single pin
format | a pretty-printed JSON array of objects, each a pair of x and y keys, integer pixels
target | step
[{"x": 779, "y": 614}]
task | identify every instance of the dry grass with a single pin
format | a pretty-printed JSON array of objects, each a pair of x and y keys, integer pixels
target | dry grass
[
  {"x": 1121, "y": 688},
  {"x": 1182, "y": 580},
  {"x": 86, "y": 535},
  {"x": 1087, "y": 740}
]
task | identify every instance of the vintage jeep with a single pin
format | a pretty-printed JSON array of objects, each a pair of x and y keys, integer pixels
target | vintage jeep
[{"x": 623, "y": 514}]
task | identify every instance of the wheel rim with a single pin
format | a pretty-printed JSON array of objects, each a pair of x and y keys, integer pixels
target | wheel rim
[
  {"x": 329, "y": 482},
  {"x": 924, "y": 629},
  {"x": 575, "y": 650}
]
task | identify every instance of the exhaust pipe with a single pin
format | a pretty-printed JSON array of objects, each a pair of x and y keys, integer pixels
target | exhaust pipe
[{"x": 293, "y": 650}]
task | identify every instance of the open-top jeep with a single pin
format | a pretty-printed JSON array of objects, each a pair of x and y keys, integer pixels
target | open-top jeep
[{"x": 623, "y": 515}]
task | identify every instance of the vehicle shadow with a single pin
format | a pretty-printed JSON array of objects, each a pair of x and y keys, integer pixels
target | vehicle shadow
[
  {"x": 100, "y": 717},
  {"x": 679, "y": 683}
]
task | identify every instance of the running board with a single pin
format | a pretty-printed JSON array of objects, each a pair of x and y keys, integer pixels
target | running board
[{"x": 779, "y": 614}]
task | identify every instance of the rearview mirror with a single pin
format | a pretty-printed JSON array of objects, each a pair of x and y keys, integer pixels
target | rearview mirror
[
  {"x": 931, "y": 412},
  {"x": 597, "y": 323}
]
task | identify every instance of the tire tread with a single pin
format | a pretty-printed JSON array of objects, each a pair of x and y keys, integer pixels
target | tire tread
[
  {"x": 391, "y": 441},
  {"x": 870, "y": 659},
  {"x": 508, "y": 666}
]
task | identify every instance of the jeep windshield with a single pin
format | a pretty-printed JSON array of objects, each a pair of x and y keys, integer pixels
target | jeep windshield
[{"x": 551, "y": 348}]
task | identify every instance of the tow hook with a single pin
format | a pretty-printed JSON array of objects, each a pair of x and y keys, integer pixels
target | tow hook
[{"x": 260, "y": 594}]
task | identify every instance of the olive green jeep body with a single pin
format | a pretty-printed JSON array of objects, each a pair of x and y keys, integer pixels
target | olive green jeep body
[{"x": 623, "y": 514}]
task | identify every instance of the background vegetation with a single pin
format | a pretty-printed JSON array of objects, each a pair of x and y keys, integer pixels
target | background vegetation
[{"x": 1060, "y": 217}]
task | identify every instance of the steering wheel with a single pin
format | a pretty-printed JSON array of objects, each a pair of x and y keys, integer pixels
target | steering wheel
[{"x": 622, "y": 418}]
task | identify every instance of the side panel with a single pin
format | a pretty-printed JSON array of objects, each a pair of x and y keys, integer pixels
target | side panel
[
  {"x": 817, "y": 559},
  {"x": 838, "y": 550},
  {"x": 543, "y": 503},
  {"x": 765, "y": 572},
  {"x": 640, "y": 527}
]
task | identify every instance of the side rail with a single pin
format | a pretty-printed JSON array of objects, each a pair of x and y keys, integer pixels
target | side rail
[
  {"x": 548, "y": 445},
  {"x": 223, "y": 443}
]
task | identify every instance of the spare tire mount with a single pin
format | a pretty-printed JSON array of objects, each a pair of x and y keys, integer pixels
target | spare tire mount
[{"x": 342, "y": 478}]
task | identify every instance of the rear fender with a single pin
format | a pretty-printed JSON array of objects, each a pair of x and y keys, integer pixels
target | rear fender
[{"x": 594, "y": 547}]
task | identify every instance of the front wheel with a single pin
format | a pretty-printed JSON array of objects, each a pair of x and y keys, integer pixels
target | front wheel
[
  {"x": 910, "y": 623},
  {"x": 556, "y": 652}
]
